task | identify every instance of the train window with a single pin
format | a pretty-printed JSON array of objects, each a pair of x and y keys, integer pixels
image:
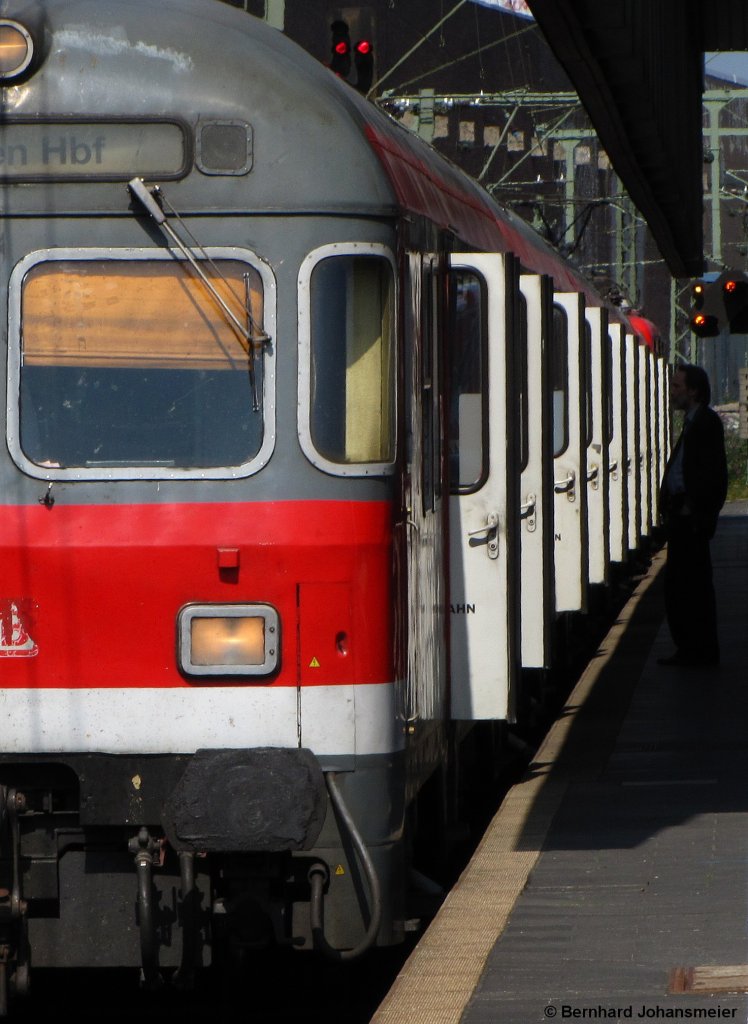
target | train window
[
  {"x": 468, "y": 450},
  {"x": 129, "y": 367},
  {"x": 560, "y": 380},
  {"x": 347, "y": 343},
  {"x": 224, "y": 147},
  {"x": 589, "y": 405},
  {"x": 522, "y": 372},
  {"x": 431, "y": 435}
]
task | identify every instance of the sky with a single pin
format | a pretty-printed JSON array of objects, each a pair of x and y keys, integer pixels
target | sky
[
  {"x": 515, "y": 6},
  {"x": 732, "y": 66}
]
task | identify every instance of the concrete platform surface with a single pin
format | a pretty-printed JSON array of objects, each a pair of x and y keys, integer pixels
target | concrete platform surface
[{"x": 613, "y": 881}]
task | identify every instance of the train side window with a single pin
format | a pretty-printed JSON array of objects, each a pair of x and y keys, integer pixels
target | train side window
[
  {"x": 468, "y": 412},
  {"x": 347, "y": 367},
  {"x": 128, "y": 367},
  {"x": 560, "y": 380},
  {"x": 524, "y": 411},
  {"x": 589, "y": 405},
  {"x": 431, "y": 468}
]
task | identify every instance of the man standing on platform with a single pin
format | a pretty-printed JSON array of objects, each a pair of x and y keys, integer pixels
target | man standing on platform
[{"x": 693, "y": 491}]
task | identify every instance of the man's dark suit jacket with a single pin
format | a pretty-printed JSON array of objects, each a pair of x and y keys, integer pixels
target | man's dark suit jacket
[{"x": 704, "y": 470}]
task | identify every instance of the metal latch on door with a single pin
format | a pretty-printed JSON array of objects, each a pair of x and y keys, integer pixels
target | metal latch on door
[
  {"x": 566, "y": 486},
  {"x": 528, "y": 512},
  {"x": 491, "y": 532}
]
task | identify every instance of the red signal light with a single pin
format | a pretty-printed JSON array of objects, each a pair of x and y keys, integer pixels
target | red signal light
[
  {"x": 705, "y": 325},
  {"x": 364, "y": 46},
  {"x": 730, "y": 287},
  {"x": 341, "y": 48}
]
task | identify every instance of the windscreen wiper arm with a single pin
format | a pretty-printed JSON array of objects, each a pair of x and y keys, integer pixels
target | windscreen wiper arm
[{"x": 250, "y": 334}]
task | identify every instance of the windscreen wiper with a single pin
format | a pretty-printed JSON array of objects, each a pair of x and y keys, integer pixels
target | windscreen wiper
[{"x": 251, "y": 334}]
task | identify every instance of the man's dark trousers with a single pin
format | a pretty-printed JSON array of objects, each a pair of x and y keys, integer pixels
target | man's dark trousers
[{"x": 689, "y": 592}]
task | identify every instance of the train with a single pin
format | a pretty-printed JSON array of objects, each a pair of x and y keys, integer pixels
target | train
[{"x": 309, "y": 443}]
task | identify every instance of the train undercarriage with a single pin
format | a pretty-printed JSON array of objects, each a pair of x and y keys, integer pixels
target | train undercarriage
[{"x": 171, "y": 864}]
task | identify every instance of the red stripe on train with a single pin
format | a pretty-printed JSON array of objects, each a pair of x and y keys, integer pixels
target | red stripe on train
[{"x": 89, "y": 594}]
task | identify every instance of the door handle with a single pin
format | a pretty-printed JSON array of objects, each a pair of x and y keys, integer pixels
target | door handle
[
  {"x": 491, "y": 533},
  {"x": 566, "y": 486},
  {"x": 528, "y": 512}
]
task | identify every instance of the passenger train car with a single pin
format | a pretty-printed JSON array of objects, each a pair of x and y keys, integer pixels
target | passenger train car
[{"x": 308, "y": 443}]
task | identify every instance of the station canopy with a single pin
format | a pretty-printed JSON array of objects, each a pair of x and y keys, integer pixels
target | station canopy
[{"x": 638, "y": 66}]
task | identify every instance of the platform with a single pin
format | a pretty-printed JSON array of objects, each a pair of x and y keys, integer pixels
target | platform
[{"x": 613, "y": 881}]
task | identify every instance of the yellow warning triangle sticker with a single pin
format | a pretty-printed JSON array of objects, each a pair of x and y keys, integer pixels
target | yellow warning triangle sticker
[
  {"x": 314, "y": 663},
  {"x": 339, "y": 870}
]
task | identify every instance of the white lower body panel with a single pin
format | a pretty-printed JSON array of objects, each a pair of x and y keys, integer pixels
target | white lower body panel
[{"x": 326, "y": 719}]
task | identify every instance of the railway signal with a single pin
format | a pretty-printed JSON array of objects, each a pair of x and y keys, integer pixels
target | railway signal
[
  {"x": 704, "y": 323},
  {"x": 363, "y": 56},
  {"x": 344, "y": 57},
  {"x": 340, "y": 59},
  {"x": 720, "y": 305},
  {"x": 735, "y": 298}
]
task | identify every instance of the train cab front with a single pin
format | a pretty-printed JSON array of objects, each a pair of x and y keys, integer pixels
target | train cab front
[
  {"x": 202, "y": 748},
  {"x": 196, "y": 619}
]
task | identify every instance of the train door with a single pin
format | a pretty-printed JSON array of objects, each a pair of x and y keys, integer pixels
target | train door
[
  {"x": 570, "y": 489},
  {"x": 596, "y": 330},
  {"x": 483, "y": 513},
  {"x": 425, "y": 691},
  {"x": 536, "y": 467},
  {"x": 645, "y": 441},
  {"x": 663, "y": 432},
  {"x": 617, "y": 445},
  {"x": 633, "y": 478},
  {"x": 654, "y": 462}
]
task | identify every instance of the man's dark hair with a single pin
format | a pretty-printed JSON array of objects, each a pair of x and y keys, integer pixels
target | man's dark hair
[{"x": 696, "y": 380}]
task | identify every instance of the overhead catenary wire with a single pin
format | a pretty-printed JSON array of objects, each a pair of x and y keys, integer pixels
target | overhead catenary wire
[
  {"x": 530, "y": 151},
  {"x": 412, "y": 50},
  {"x": 451, "y": 63}
]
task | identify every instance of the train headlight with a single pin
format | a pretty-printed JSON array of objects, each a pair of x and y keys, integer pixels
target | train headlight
[
  {"x": 16, "y": 49},
  {"x": 228, "y": 639}
]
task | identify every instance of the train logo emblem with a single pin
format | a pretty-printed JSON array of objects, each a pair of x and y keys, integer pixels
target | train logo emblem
[{"x": 15, "y": 641}]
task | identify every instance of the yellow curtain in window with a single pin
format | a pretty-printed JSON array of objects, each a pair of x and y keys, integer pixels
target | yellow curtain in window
[
  {"x": 369, "y": 386},
  {"x": 133, "y": 314}
]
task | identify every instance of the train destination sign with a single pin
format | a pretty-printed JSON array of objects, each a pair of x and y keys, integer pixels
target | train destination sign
[{"x": 69, "y": 150}]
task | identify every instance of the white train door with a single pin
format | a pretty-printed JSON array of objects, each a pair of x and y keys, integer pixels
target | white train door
[
  {"x": 597, "y": 444},
  {"x": 633, "y": 478},
  {"x": 570, "y": 505},
  {"x": 663, "y": 432},
  {"x": 654, "y": 460},
  {"x": 536, "y": 479},
  {"x": 645, "y": 441},
  {"x": 617, "y": 446},
  {"x": 483, "y": 511}
]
